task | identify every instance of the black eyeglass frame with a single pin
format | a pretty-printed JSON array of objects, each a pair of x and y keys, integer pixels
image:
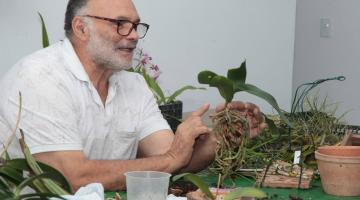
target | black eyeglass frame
[{"x": 120, "y": 22}]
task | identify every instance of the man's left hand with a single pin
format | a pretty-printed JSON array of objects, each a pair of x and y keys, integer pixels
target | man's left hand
[{"x": 253, "y": 113}]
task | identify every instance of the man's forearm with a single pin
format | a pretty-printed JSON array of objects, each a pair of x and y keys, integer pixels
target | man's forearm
[
  {"x": 110, "y": 172},
  {"x": 79, "y": 171}
]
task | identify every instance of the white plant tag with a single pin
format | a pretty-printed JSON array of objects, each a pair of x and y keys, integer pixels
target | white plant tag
[{"x": 297, "y": 157}]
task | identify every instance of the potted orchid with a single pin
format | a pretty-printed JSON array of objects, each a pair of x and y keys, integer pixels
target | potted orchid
[{"x": 169, "y": 106}]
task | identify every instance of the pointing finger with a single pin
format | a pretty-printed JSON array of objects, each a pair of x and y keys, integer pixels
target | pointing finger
[{"x": 200, "y": 111}]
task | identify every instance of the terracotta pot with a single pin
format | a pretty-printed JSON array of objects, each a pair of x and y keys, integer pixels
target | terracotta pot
[
  {"x": 340, "y": 150},
  {"x": 340, "y": 175}
]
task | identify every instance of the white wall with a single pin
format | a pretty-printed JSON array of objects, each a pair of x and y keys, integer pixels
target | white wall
[
  {"x": 21, "y": 29},
  {"x": 189, "y": 36},
  {"x": 185, "y": 38},
  {"x": 317, "y": 57}
]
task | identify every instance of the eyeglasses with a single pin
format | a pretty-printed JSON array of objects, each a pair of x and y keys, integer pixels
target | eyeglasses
[{"x": 124, "y": 27}]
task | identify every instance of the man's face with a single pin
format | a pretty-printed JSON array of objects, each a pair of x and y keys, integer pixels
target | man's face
[{"x": 105, "y": 46}]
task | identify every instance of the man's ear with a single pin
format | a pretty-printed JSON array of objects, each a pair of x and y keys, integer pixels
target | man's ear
[{"x": 80, "y": 30}]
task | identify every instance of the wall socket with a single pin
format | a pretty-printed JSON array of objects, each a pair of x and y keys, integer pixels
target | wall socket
[{"x": 325, "y": 27}]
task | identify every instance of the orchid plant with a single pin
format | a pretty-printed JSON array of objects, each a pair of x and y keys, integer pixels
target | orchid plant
[
  {"x": 145, "y": 63},
  {"x": 151, "y": 72},
  {"x": 231, "y": 127}
]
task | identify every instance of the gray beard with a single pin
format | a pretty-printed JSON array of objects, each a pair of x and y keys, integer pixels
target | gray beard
[{"x": 102, "y": 53}]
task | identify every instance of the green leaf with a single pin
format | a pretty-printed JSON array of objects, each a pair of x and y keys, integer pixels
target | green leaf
[
  {"x": 225, "y": 87},
  {"x": 21, "y": 164},
  {"x": 245, "y": 192},
  {"x": 271, "y": 125},
  {"x": 205, "y": 77},
  {"x": 45, "y": 38},
  {"x": 179, "y": 91},
  {"x": 4, "y": 186},
  {"x": 49, "y": 184},
  {"x": 264, "y": 95},
  {"x": 11, "y": 174},
  {"x": 30, "y": 180},
  {"x": 238, "y": 75},
  {"x": 18, "y": 163},
  {"x": 154, "y": 87},
  {"x": 39, "y": 196},
  {"x": 196, "y": 180},
  {"x": 132, "y": 69},
  {"x": 7, "y": 196}
]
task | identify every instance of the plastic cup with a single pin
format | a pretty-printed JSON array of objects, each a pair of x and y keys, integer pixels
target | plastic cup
[{"x": 147, "y": 185}]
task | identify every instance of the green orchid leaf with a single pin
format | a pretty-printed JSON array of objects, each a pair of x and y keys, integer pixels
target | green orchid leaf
[
  {"x": 49, "y": 184},
  {"x": 21, "y": 164},
  {"x": 39, "y": 196},
  {"x": 132, "y": 69},
  {"x": 18, "y": 163},
  {"x": 45, "y": 38},
  {"x": 154, "y": 87},
  {"x": 245, "y": 192},
  {"x": 4, "y": 186},
  {"x": 179, "y": 91},
  {"x": 6, "y": 195},
  {"x": 196, "y": 180},
  {"x": 238, "y": 75},
  {"x": 271, "y": 125},
  {"x": 225, "y": 87},
  {"x": 264, "y": 95},
  {"x": 15, "y": 176},
  {"x": 30, "y": 180},
  {"x": 205, "y": 77}
]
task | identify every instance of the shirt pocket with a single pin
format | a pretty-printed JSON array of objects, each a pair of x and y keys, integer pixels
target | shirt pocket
[{"x": 122, "y": 142}]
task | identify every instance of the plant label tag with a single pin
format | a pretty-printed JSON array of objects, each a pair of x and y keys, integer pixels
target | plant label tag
[{"x": 297, "y": 157}]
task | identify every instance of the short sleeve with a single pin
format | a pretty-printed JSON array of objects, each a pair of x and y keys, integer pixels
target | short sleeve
[
  {"x": 151, "y": 119},
  {"x": 47, "y": 117}
]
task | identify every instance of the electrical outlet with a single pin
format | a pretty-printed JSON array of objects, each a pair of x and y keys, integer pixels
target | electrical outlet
[{"x": 325, "y": 27}]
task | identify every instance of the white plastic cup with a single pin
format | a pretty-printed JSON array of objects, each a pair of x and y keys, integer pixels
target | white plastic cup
[{"x": 147, "y": 185}]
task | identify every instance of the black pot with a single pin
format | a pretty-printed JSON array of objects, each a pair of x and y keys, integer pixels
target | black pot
[{"x": 172, "y": 113}]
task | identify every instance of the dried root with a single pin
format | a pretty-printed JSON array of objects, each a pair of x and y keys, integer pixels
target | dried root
[{"x": 232, "y": 132}]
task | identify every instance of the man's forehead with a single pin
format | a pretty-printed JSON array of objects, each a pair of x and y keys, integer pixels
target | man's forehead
[{"x": 113, "y": 8}]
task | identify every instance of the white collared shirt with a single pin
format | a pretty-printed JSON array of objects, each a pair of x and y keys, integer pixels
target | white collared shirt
[{"x": 61, "y": 109}]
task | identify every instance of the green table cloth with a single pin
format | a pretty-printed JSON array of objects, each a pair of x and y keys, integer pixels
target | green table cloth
[{"x": 314, "y": 193}]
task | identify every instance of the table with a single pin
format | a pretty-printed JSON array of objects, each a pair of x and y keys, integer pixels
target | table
[{"x": 314, "y": 193}]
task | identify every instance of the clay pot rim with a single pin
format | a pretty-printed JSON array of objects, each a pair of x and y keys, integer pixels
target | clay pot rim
[
  {"x": 343, "y": 151},
  {"x": 339, "y": 147},
  {"x": 337, "y": 159}
]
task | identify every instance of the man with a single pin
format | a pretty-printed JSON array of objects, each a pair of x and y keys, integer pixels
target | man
[{"x": 83, "y": 114}]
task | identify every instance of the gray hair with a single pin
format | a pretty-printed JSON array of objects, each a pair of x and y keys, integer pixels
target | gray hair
[{"x": 74, "y": 7}]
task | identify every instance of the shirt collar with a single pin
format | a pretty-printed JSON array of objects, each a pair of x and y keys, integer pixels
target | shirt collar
[
  {"x": 77, "y": 68},
  {"x": 73, "y": 61}
]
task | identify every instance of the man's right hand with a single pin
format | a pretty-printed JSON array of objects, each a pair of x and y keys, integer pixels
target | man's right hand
[{"x": 187, "y": 132}]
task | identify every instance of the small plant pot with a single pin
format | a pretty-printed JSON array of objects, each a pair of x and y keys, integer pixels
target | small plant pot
[
  {"x": 172, "y": 113},
  {"x": 340, "y": 175}
]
